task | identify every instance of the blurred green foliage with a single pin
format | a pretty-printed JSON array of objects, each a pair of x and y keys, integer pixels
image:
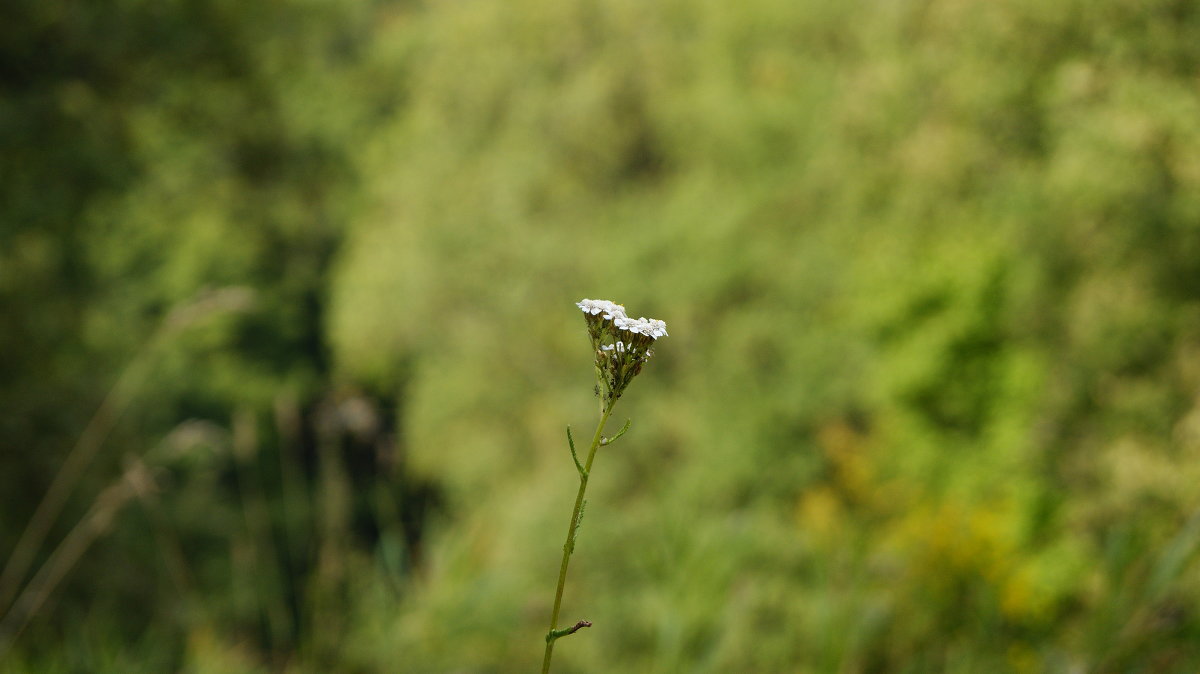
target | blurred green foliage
[{"x": 931, "y": 272}]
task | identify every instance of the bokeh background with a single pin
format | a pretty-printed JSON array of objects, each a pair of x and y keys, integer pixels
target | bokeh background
[{"x": 288, "y": 343}]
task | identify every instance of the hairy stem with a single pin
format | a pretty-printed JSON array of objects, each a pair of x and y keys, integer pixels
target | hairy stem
[{"x": 569, "y": 546}]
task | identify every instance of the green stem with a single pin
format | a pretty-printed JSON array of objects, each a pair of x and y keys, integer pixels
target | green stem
[{"x": 551, "y": 636}]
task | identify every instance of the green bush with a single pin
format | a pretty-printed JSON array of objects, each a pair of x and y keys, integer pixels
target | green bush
[{"x": 928, "y": 404}]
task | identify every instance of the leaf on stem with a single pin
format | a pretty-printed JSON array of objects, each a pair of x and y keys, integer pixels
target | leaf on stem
[
  {"x": 554, "y": 634},
  {"x": 578, "y": 466},
  {"x": 609, "y": 441}
]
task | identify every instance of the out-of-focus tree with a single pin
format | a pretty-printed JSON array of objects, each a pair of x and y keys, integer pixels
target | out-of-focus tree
[{"x": 174, "y": 185}]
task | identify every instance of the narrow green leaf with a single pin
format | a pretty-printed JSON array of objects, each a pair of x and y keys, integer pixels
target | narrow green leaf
[
  {"x": 609, "y": 441},
  {"x": 574, "y": 456}
]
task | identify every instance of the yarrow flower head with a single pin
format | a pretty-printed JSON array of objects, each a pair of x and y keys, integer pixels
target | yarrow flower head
[
  {"x": 594, "y": 307},
  {"x": 622, "y": 345}
]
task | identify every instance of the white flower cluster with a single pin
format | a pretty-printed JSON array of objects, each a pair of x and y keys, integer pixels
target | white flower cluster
[
  {"x": 610, "y": 310},
  {"x": 622, "y": 345},
  {"x": 649, "y": 327}
]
